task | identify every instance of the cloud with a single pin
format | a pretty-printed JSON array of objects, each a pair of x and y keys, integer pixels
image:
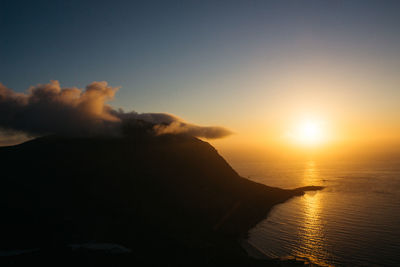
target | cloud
[
  {"x": 165, "y": 123},
  {"x": 9, "y": 138},
  {"x": 178, "y": 127},
  {"x": 50, "y": 109}
]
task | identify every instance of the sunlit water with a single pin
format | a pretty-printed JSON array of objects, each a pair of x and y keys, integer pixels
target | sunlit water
[{"x": 354, "y": 221}]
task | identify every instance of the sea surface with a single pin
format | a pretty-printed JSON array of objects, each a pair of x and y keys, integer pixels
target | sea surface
[{"x": 354, "y": 221}]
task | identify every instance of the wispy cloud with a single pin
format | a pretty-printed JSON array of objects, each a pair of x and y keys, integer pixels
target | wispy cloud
[{"x": 50, "y": 109}]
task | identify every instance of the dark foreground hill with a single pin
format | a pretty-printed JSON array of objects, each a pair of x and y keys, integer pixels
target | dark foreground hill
[{"x": 169, "y": 199}]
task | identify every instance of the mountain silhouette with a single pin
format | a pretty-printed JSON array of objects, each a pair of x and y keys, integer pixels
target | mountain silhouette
[{"x": 168, "y": 199}]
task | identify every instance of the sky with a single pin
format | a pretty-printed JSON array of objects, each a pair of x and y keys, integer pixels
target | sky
[{"x": 258, "y": 68}]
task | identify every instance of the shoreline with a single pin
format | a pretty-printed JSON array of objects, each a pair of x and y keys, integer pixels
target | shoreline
[{"x": 254, "y": 252}]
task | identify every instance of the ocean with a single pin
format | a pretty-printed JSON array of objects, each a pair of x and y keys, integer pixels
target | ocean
[{"x": 354, "y": 221}]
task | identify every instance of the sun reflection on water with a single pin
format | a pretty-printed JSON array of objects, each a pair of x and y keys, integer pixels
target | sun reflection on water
[{"x": 311, "y": 232}]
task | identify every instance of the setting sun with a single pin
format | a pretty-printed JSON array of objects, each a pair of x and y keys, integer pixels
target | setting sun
[{"x": 308, "y": 133}]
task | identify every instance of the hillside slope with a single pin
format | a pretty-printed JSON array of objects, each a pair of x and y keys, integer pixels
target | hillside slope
[{"x": 172, "y": 196}]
